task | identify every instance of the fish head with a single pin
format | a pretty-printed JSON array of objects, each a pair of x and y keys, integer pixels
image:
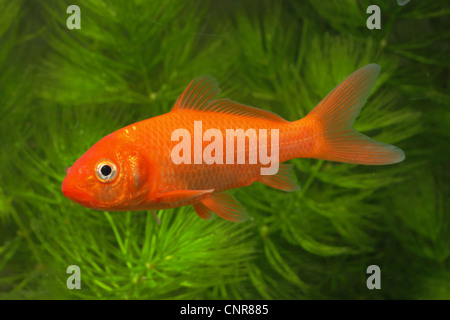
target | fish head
[{"x": 114, "y": 175}]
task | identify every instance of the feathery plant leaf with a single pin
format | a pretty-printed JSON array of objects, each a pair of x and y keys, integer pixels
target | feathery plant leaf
[{"x": 62, "y": 90}]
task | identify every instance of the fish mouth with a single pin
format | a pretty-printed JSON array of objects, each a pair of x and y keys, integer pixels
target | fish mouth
[{"x": 71, "y": 190}]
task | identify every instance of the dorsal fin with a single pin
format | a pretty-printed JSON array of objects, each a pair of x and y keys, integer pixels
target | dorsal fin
[
  {"x": 197, "y": 94},
  {"x": 200, "y": 94},
  {"x": 233, "y": 107}
]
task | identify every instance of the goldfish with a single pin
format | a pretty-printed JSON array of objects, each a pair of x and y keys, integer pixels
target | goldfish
[{"x": 133, "y": 168}]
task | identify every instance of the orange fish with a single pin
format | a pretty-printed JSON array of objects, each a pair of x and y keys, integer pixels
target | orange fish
[{"x": 133, "y": 168}]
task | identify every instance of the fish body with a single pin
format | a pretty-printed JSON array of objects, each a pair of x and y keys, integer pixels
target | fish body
[{"x": 133, "y": 168}]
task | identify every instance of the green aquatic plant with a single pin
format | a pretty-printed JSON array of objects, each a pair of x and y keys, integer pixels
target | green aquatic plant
[{"x": 62, "y": 90}]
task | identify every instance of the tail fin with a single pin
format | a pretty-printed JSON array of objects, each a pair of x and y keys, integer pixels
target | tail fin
[{"x": 335, "y": 115}]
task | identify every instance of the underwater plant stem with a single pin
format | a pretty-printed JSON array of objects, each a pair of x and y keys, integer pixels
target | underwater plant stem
[
  {"x": 26, "y": 235},
  {"x": 148, "y": 238},
  {"x": 123, "y": 248},
  {"x": 256, "y": 277},
  {"x": 23, "y": 283},
  {"x": 127, "y": 231},
  {"x": 311, "y": 178},
  {"x": 280, "y": 265}
]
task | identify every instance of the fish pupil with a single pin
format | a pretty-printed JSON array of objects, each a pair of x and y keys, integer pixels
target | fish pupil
[{"x": 106, "y": 170}]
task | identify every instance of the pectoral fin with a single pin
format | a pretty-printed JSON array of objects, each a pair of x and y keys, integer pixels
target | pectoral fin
[
  {"x": 224, "y": 205},
  {"x": 180, "y": 195}
]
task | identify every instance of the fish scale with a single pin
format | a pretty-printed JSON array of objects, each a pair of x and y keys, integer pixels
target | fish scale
[{"x": 218, "y": 177}]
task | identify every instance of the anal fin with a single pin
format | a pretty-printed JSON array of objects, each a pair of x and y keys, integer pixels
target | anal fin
[{"x": 203, "y": 211}]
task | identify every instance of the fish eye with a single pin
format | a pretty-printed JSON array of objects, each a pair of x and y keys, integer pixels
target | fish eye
[{"x": 106, "y": 171}]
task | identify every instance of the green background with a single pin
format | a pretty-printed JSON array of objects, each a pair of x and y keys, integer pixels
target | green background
[{"x": 62, "y": 90}]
